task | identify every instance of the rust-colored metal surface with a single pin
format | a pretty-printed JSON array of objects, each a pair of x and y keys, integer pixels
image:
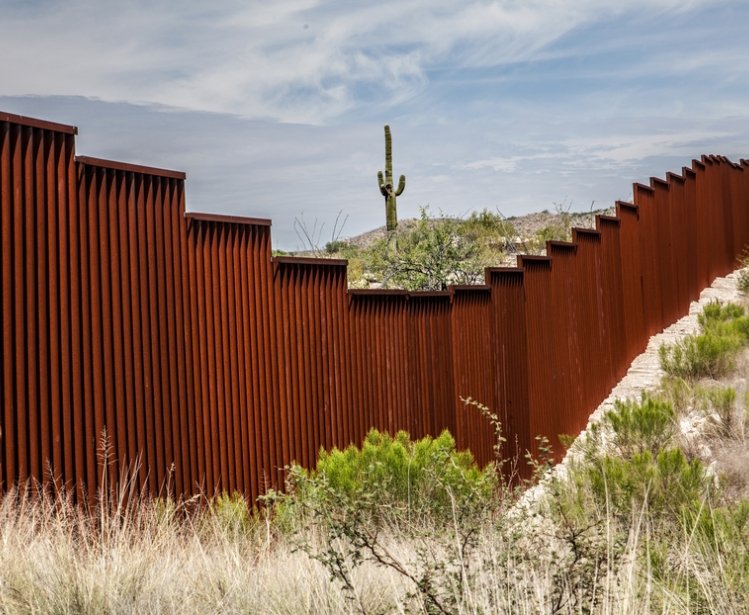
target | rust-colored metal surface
[
  {"x": 474, "y": 376},
  {"x": 141, "y": 339}
]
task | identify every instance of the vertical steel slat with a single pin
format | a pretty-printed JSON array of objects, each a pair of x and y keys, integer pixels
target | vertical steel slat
[
  {"x": 133, "y": 289},
  {"x": 269, "y": 409},
  {"x": 192, "y": 379},
  {"x": 263, "y": 379},
  {"x": 200, "y": 393},
  {"x": 236, "y": 406},
  {"x": 6, "y": 326},
  {"x": 541, "y": 375},
  {"x": 16, "y": 417},
  {"x": 89, "y": 436},
  {"x": 163, "y": 391},
  {"x": 63, "y": 283},
  {"x": 154, "y": 327},
  {"x": 184, "y": 403},
  {"x": 288, "y": 404},
  {"x": 118, "y": 426},
  {"x": 18, "y": 422},
  {"x": 217, "y": 409},
  {"x": 302, "y": 326},
  {"x": 700, "y": 237},
  {"x": 679, "y": 257},
  {"x": 653, "y": 306},
  {"x": 354, "y": 343},
  {"x": 690, "y": 224},
  {"x": 96, "y": 321},
  {"x": 154, "y": 454},
  {"x": 241, "y": 441},
  {"x": 396, "y": 361},
  {"x": 223, "y": 386},
  {"x": 202, "y": 247},
  {"x": 666, "y": 272},
  {"x": 632, "y": 280},
  {"x": 327, "y": 293},
  {"x": 174, "y": 408},
  {"x": 320, "y": 358},
  {"x": 78, "y": 409},
  {"x": 28, "y": 421},
  {"x": 613, "y": 295},
  {"x": 315, "y": 373},
  {"x": 249, "y": 373},
  {"x": 108, "y": 452},
  {"x": 31, "y": 198}
]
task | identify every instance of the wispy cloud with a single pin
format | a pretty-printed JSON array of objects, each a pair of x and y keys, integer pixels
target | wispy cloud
[
  {"x": 297, "y": 61},
  {"x": 274, "y": 108}
]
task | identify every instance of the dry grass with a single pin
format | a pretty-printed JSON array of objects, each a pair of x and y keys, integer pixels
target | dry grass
[{"x": 152, "y": 558}]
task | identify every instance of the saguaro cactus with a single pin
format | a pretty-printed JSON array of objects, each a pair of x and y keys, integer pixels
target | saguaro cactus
[{"x": 386, "y": 184}]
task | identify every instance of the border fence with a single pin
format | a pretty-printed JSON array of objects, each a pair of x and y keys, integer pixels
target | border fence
[{"x": 133, "y": 330}]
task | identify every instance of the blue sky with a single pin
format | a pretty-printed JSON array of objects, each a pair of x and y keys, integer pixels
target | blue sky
[{"x": 276, "y": 109}]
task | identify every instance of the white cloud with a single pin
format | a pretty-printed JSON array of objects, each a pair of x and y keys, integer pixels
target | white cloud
[
  {"x": 296, "y": 60},
  {"x": 514, "y": 104}
]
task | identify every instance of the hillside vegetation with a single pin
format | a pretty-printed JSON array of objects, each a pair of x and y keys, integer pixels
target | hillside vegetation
[{"x": 432, "y": 252}]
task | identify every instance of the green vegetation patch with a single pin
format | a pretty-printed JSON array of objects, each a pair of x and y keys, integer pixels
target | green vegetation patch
[
  {"x": 390, "y": 478},
  {"x": 711, "y": 353}
]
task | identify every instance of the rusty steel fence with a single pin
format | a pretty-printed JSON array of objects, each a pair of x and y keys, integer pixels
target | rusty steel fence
[{"x": 140, "y": 340}]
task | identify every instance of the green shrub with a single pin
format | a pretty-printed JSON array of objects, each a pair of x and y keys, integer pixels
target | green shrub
[
  {"x": 727, "y": 319},
  {"x": 335, "y": 246},
  {"x": 647, "y": 425},
  {"x": 391, "y": 477},
  {"x": 633, "y": 427},
  {"x": 724, "y": 330},
  {"x": 667, "y": 482},
  {"x": 637, "y": 467},
  {"x": 427, "y": 256}
]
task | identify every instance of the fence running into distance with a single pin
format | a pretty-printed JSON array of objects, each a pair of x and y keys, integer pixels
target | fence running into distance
[{"x": 177, "y": 339}]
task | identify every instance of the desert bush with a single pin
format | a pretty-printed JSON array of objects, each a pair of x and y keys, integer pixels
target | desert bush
[
  {"x": 389, "y": 478},
  {"x": 647, "y": 425},
  {"x": 724, "y": 330},
  {"x": 629, "y": 461},
  {"x": 667, "y": 482},
  {"x": 427, "y": 256},
  {"x": 633, "y": 427},
  {"x": 358, "y": 496}
]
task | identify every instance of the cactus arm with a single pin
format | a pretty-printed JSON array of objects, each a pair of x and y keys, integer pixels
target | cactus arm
[
  {"x": 381, "y": 181},
  {"x": 401, "y": 186}
]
